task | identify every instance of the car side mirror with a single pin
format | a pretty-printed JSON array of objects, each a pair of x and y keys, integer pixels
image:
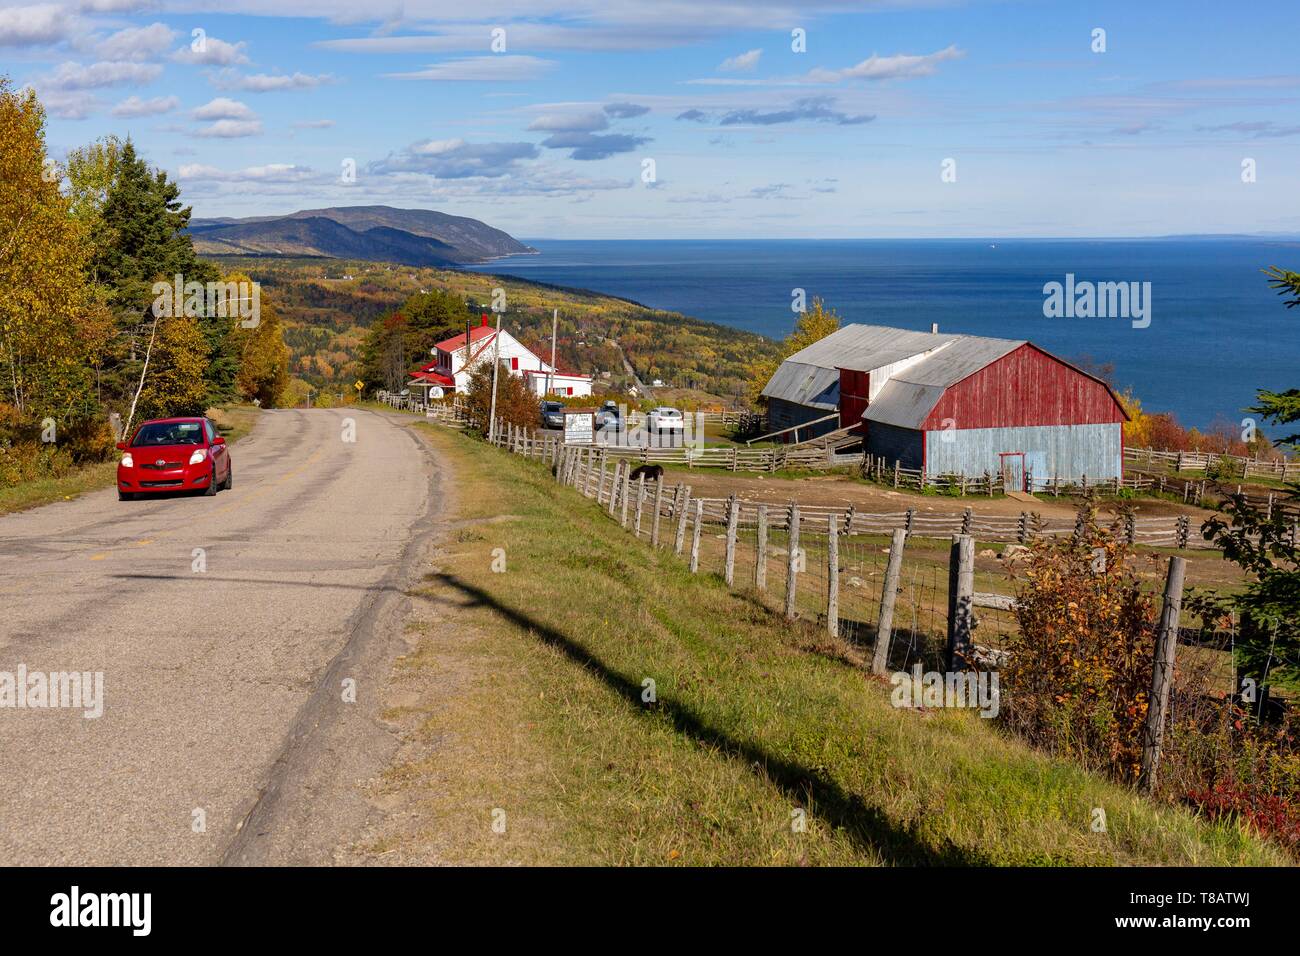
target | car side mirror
[
  {"x": 218, "y": 440},
  {"x": 121, "y": 446}
]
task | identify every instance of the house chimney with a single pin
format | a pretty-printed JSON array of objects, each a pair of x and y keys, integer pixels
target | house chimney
[
  {"x": 934, "y": 328},
  {"x": 483, "y": 322}
]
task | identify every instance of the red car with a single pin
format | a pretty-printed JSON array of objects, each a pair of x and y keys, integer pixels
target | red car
[{"x": 173, "y": 454}]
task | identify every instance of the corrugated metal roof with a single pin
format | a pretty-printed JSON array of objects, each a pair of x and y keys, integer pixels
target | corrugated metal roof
[
  {"x": 908, "y": 397},
  {"x": 805, "y": 384},
  {"x": 811, "y": 377},
  {"x": 869, "y": 346}
]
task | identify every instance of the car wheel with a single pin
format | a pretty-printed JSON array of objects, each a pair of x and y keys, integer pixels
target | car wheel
[
  {"x": 124, "y": 495},
  {"x": 211, "y": 489},
  {"x": 230, "y": 477}
]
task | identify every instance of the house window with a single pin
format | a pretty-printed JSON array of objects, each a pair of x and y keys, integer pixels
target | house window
[
  {"x": 514, "y": 364},
  {"x": 569, "y": 390}
]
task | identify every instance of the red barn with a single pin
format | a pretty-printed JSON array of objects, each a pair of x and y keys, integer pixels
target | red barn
[{"x": 956, "y": 404}]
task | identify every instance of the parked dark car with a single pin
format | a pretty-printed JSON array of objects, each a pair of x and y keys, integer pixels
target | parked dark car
[
  {"x": 552, "y": 414},
  {"x": 607, "y": 416}
]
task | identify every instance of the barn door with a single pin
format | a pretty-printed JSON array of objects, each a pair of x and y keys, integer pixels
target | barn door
[{"x": 1012, "y": 466}]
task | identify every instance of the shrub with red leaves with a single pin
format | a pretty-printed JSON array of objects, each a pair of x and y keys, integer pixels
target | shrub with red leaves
[{"x": 1269, "y": 815}]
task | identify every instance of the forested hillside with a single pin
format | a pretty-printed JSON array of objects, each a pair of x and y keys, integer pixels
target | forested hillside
[{"x": 329, "y": 306}]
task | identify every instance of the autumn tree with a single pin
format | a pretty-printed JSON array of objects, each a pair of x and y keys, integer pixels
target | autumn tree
[
  {"x": 43, "y": 254},
  {"x": 263, "y": 356},
  {"x": 515, "y": 404}
]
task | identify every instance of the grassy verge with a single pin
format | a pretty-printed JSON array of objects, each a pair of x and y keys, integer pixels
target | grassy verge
[
  {"x": 234, "y": 422},
  {"x": 536, "y": 705}
]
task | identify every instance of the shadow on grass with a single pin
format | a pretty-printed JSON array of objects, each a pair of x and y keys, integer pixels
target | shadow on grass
[{"x": 867, "y": 826}]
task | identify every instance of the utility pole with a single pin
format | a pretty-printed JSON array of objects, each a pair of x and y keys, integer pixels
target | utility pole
[
  {"x": 496, "y": 367},
  {"x": 555, "y": 324}
]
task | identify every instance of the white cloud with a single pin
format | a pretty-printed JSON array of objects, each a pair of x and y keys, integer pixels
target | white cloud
[
  {"x": 456, "y": 159},
  {"x": 35, "y": 25},
  {"x": 214, "y": 52},
  {"x": 74, "y": 105},
  {"x": 744, "y": 63},
  {"x": 482, "y": 69},
  {"x": 116, "y": 6},
  {"x": 273, "y": 82},
  {"x": 314, "y": 124},
  {"x": 899, "y": 66},
  {"x": 134, "y": 106},
  {"x": 231, "y": 129},
  {"x": 137, "y": 43},
  {"x": 270, "y": 173},
  {"x": 80, "y": 76},
  {"x": 224, "y": 108}
]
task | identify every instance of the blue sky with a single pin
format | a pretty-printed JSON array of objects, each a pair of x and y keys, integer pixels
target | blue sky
[{"x": 552, "y": 136}]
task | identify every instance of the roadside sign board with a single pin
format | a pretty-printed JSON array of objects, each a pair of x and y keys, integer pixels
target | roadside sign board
[{"x": 579, "y": 426}]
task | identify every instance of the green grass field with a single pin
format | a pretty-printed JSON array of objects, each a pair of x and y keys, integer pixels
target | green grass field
[{"x": 540, "y": 709}]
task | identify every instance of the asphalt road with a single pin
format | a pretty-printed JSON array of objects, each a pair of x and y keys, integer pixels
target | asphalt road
[{"x": 223, "y": 677}]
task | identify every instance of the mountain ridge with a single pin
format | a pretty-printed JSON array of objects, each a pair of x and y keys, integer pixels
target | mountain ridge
[{"x": 415, "y": 237}]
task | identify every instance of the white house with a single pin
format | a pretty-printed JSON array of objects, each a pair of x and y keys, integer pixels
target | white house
[
  {"x": 558, "y": 383},
  {"x": 452, "y": 367}
]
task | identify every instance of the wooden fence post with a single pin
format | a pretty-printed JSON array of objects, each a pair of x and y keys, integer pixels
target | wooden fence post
[
  {"x": 733, "y": 519},
  {"x": 885, "y": 626},
  {"x": 681, "y": 521},
  {"x": 640, "y": 503},
  {"x": 659, "y": 503},
  {"x": 1162, "y": 672},
  {"x": 832, "y": 576},
  {"x": 627, "y": 490},
  {"x": 792, "y": 562},
  {"x": 613, "y": 486},
  {"x": 760, "y": 555},
  {"x": 600, "y": 486},
  {"x": 961, "y": 590},
  {"x": 695, "y": 535}
]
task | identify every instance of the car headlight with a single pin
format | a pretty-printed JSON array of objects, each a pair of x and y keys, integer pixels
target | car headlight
[
  {"x": 198, "y": 456},
  {"x": 128, "y": 461}
]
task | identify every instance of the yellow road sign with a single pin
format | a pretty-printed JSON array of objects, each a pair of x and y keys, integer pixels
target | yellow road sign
[{"x": 359, "y": 385}]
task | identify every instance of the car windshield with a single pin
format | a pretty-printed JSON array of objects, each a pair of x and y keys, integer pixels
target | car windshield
[
  {"x": 168, "y": 433},
  {"x": 551, "y": 406},
  {"x": 669, "y": 413}
]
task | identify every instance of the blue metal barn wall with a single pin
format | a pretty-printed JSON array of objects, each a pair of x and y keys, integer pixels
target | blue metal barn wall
[
  {"x": 894, "y": 444},
  {"x": 783, "y": 414},
  {"x": 1051, "y": 451}
]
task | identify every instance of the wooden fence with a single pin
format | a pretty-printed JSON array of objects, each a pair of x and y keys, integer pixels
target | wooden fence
[
  {"x": 1170, "y": 531},
  {"x": 1235, "y": 465},
  {"x": 810, "y": 545}
]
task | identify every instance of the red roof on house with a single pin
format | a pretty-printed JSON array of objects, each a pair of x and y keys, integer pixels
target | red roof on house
[
  {"x": 427, "y": 375},
  {"x": 476, "y": 334}
]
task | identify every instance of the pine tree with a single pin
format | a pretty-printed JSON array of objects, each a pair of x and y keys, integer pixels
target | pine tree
[{"x": 1282, "y": 407}]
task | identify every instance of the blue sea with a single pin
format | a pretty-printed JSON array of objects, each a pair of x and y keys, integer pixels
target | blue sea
[{"x": 1217, "y": 332}]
